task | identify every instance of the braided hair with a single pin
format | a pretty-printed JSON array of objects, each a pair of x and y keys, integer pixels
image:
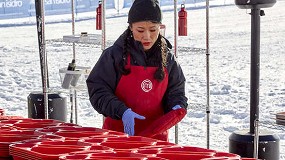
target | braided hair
[
  {"x": 158, "y": 58},
  {"x": 161, "y": 58},
  {"x": 126, "y": 52}
]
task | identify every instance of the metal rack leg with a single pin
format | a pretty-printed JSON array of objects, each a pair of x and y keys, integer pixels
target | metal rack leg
[{"x": 73, "y": 106}]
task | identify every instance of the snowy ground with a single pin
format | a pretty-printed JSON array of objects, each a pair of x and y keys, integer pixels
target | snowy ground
[{"x": 229, "y": 69}]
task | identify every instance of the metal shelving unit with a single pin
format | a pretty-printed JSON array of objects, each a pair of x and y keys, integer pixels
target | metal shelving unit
[
  {"x": 85, "y": 40},
  {"x": 274, "y": 123},
  {"x": 75, "y": 40}
]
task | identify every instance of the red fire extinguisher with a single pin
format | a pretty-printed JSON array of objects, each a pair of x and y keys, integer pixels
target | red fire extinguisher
[
  {"x": 182, "y": 21},
  {"x": 98, "y": 16}
]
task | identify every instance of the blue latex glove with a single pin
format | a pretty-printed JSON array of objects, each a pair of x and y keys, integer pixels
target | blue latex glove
[
  {"x": 128, "y": 119},
  {"x": 176, "y": 107}
]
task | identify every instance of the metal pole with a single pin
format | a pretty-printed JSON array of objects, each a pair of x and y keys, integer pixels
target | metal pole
[
  {"x": 103, "y": 46},
  {"x": 73, "y": 24},
  {"x": 175, "y": 28},
  {"x": 71, "y": 95},
  {"x": 256, "y": 139},
  {"x": 39, "y": 7},
  {"x": 255, "y": 64},
  {"x": 45, "y": 88},
  {"x": 207, "y": 74},
  {"x": 175, "y": 53},
  {"x": 73, "y": 106},
  {"x": 40, "y": 18}
]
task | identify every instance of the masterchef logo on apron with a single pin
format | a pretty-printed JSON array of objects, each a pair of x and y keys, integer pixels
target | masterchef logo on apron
[{"x": 146, "y": 85}]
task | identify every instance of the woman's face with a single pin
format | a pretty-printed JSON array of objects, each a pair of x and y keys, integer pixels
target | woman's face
[{"x": 146, "y": 32}]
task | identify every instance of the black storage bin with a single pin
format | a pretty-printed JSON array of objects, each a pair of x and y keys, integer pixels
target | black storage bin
[
  {"x": 57, "y": 105},
  {"x": 241, "y": 143}
]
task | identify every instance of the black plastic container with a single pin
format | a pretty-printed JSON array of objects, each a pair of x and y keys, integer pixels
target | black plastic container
[
  {"x": 241, "y": 143},
  {"x": 57, "y": 106}
]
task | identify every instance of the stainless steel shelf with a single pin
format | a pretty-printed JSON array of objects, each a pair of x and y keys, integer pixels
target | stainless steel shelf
[
  {"x": 274, "y": 123},
  {"x": 185, "y": 51},
  {"x": 93, "y": 41}
]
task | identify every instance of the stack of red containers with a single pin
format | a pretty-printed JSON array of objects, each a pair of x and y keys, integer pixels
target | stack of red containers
[
  {"x": 46, "y": 139},
  {"x": 14, "y": 129},
  {"x": 52, "y": 149},
  {"x": 45, "y": 149}
]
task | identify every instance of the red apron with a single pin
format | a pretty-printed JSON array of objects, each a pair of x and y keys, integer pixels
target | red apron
[{"x": 141, "y": 92}]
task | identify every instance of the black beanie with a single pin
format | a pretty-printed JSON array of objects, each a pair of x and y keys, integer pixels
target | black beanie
[{"x": 145, "y": 10}]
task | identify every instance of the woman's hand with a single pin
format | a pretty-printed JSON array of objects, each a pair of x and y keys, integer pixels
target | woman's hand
[
  {"x": 128, "y": 119},
  {"x": 176, "y": 107}
]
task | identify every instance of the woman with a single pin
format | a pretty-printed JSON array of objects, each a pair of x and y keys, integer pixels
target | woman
[{"x": 137, "y": 79}]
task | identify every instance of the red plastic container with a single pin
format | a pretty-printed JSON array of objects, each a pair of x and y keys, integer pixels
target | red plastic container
[
  {"x": 32, "y": 125},
  {"x": 41, "y": 120},
  {"x": 10, "y": 121},
  {"x": 186, "y": 149},
  {"x": 7, "y": 139},
  {"x": 79, "y": 134},
  {"x": 225, "y": 154},
  {"x": 20, "y": 150},
  {"x": 104, "y": 137},
  {"x": 93, "y": 140},
  {"x": 126, "y": 145},
  {"x": 63, "y": 143},
  {"x": 83, "y": 154},
  {"x": 182, "y": 156},
  {"x": 16, "y": 132},
  {"x": 107, "y": 155},
  {"x": 74, "y": 157},
  {"x": 50, "y": 136},
  {"x": 10, "y": 117},
  {"x": 117, "y": 155},
  {"x": 148, "y": 152},
  {"x": 52, "y": 129},
  {"x": 95, "y": 149},
  {"x": 47, "y": 149},
  {"x": 220, "y": 158},
  {"x": 131, "y": 139},
  {"x": 156, "y": 158},
  {"x": 160, "y": 145}
]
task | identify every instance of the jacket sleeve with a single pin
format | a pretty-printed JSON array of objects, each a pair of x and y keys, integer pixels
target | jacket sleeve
[
  {"x": 101, "y": 83},
  {"x": 175, "y": 93}
]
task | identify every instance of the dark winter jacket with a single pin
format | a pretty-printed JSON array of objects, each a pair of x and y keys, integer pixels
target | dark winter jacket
[{"x": 104, "y": 78}]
